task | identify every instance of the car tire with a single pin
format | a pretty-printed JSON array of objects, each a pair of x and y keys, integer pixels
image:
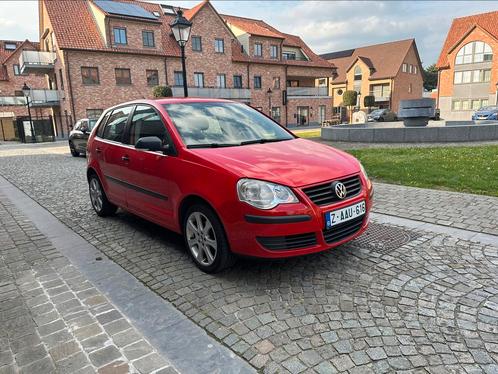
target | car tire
[
  {"x": 206, "y": 240},
  {"x": 381, "y": 119},
  {"x": 102, "y": 206},
  {"x": 73, "y": 150}
]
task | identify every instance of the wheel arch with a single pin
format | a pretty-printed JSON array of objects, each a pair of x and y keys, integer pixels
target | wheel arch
[{"x": 190, "y": 200}]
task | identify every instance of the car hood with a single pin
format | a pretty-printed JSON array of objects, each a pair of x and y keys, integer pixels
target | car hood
[
  {"x": 294, "y": 163},
  {"x": 485, "y": 112}
]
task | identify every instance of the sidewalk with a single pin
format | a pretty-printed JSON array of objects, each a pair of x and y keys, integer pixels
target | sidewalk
[{"x": 52, "y": 319}]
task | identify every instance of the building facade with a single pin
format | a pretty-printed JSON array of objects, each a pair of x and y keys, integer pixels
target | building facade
[
  {"x": 100, "y": 53},
  {"x": 468, "y": 71},
  {"x": 12, "y": 80},
  {"x": 390, "y": 72}
]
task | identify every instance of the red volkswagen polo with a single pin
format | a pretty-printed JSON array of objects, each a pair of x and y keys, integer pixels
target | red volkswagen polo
[{"x": 227, "y": 177}]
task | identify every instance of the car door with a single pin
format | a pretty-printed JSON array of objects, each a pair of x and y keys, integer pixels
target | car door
[
  {"x": 151, "y": 173},
  {"x": 112, "y": 155},
  {"x": 79, "y": 136}
]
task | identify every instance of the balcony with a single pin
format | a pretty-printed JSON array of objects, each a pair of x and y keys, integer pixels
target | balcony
[
  {"x": 12, "y": 101},
  {"x": 38, "y": 98},
  {"x": 307, "y": 92},
  {"x": 379, "y": 99},
  {"x": 214, "y": 93},
  {"x": 35, "y": 61},
  {"x": 44, "y": 98}
]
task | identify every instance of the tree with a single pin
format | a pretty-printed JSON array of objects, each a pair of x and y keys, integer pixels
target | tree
[
  {"x": 162, "y": 91},
  {"x": 349, "y": 99},
  {"x": 368, "y": 102},
  {"x": 430, "y": 77}
]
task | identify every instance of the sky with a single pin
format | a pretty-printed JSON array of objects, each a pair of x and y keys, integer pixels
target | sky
[{"x": 326, "y": 26}]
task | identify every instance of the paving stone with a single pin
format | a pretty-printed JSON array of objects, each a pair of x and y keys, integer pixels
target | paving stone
[
  {"x": 64, "y": 350},
  {"x": 150, "y": 363},
  {"x": 72, "y": 363},
  {"x": 104, "y": 356},
  {"x": 137, "y": 350},
  {"x": 116, "y": 367},
  {"x": 31, "y": 354},
  {"x": 126, "y": 337},
  {"x": 43, "y": 366}
]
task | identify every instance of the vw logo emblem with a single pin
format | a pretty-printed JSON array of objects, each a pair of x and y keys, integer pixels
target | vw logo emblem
[{"x": 340, "y": 190}]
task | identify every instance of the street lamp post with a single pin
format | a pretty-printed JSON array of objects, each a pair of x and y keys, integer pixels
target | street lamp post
[
  {"x": 269, "y": 92},
  {"x": 26, "y": 90},
  {"x": 181, "y": 31}
]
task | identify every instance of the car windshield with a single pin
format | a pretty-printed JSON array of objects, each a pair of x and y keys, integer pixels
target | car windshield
[
  {"x": 489, "y": 108},
  {"x": 222, "y": 124},
  {"x": 376, "y": 112}
]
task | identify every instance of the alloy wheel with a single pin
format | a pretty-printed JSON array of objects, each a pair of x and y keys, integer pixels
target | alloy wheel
[
  {"x": 201, "y": 238},
  {"x": 96, "y": 194}
]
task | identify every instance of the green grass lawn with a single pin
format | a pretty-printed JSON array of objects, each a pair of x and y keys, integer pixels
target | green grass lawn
[
  {"x": 308, "y": 133},
  {"x": 465, "y": 169}
]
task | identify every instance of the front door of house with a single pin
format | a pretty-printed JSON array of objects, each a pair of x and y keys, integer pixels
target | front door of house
[
  {"x": 303, "y": 115},
  {"x": 321, "y": 113}
]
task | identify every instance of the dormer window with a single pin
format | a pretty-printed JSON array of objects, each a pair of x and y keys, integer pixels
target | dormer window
[
  {"x": 120, "y": 36},
  {"x": 357, "y": 73},
  {"x": 10, "y": 46},
  {"x": 289, "y": 55}
]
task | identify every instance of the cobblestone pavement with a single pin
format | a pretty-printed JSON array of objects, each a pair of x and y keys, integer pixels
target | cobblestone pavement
[
  {"x": 419, "y": 302},
  {"x": 54, "y": 320}
]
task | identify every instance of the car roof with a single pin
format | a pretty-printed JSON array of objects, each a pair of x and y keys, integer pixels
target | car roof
[{"x": 171, "y": 100}]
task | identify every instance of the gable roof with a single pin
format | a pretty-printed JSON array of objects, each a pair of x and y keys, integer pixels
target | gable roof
[
  {"x": 5, "y": 55},
  {"x": 460, "y": 27},
  {"x": 385, "y": 59},
  {"x": 253, "y": 26}
]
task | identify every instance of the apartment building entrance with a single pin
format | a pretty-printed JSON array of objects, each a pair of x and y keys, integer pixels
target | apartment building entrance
[{"x": 303, "y": 118}]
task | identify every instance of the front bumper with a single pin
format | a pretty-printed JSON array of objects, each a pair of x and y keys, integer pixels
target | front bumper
[{"x": 295, "y": 229}]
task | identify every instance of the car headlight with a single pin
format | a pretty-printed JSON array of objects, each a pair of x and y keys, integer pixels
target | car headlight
[
  {"x": 363, "y": 171},
  {"x": 264, "y": 195}
]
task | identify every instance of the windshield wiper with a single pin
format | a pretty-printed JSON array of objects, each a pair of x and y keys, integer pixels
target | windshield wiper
[
  {"x": 261, "y": 141},
  {"x": 212, "y": 145}
]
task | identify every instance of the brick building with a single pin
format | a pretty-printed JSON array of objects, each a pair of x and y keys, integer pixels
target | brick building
[
  {"x": 390, "y": 71},
  {"x": 100, "y": 53},
  {"x": 468, "y": 73},
  {"x": 12, "y": 79}
]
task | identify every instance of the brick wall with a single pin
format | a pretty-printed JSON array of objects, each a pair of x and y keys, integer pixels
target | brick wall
[
  {"x": 107, "y": 93},
  {"x": 134, "y": 33},
  {"x": 407, "y": 86}
]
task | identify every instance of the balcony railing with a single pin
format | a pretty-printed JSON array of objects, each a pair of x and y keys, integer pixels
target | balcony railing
[
  {"x": 44, "y": 98},
  {"x": 32, "y": 61},
  {"x": 307, "y": 91},
  {"x": 12, "y": 101},
  {"x": 37, "y": 98},
  {"x": 380, "y": 98},
  {"x": 214, "y": 93}
]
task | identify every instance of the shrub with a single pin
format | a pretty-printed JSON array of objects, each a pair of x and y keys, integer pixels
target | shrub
[
  {"x": 369, "y": 101},
  {"x": 349, "y": 98},
  {"x": 162, "y": 91}
]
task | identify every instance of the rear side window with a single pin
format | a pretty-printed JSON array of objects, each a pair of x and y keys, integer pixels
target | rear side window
[
  {"x": 101, "y": 124},
  {"x": 146, "y": 122},
  {"x": 115, "y": 126}
]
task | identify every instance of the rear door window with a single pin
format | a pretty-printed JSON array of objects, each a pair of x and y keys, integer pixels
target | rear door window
[{"x": 114, "y": 129}]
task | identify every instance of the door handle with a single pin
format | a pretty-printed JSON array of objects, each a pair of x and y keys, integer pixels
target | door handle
[
  {"x": 98, "y": 150},
  {"x": 125, "y": 158}
]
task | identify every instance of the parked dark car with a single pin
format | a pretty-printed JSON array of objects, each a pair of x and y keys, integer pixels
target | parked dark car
[
  {"x": 381, "y": 115},
  {"x": 486, "y": 113},
  {"x": 78, "y": 137}
]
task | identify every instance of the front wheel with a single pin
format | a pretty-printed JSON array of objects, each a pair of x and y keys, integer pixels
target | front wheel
[
  {"x": 206, "y": 240},
  {"x": 102, "y": 206},
  {"x": 73, "y": 150}
]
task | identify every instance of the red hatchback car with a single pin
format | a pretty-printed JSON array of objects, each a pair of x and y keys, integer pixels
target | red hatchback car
[{"x": 227, "y": 177}]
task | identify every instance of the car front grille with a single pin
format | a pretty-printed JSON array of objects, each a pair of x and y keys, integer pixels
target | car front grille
[
  {"x": 289, "y": 242},
  {"x": 323, "y": 194},
  {"x": 342, "y": 230}
]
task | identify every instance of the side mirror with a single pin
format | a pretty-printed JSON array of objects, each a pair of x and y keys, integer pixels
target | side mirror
[{"x": 152, "y": 143}]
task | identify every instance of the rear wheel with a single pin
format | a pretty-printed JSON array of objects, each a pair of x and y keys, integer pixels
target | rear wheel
[
  {"x": 73, "y": 150},
  {"x": 102, "y": 206},
  {"x": 206, "y": 240}
]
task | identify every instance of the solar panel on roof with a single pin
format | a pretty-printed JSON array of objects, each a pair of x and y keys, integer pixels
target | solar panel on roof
[{"x": 124, "y": 9}]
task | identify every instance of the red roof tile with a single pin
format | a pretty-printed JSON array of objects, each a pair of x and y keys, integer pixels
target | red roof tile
[
  {"x": 190, "y": 13},
  {"x": 461, "y": 26},
  {"x": 384, "y": 59},
  {"x": 253, "y": 26}
]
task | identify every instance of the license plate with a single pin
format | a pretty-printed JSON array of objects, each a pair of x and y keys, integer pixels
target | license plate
[{"x": 345, "y": 214}]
